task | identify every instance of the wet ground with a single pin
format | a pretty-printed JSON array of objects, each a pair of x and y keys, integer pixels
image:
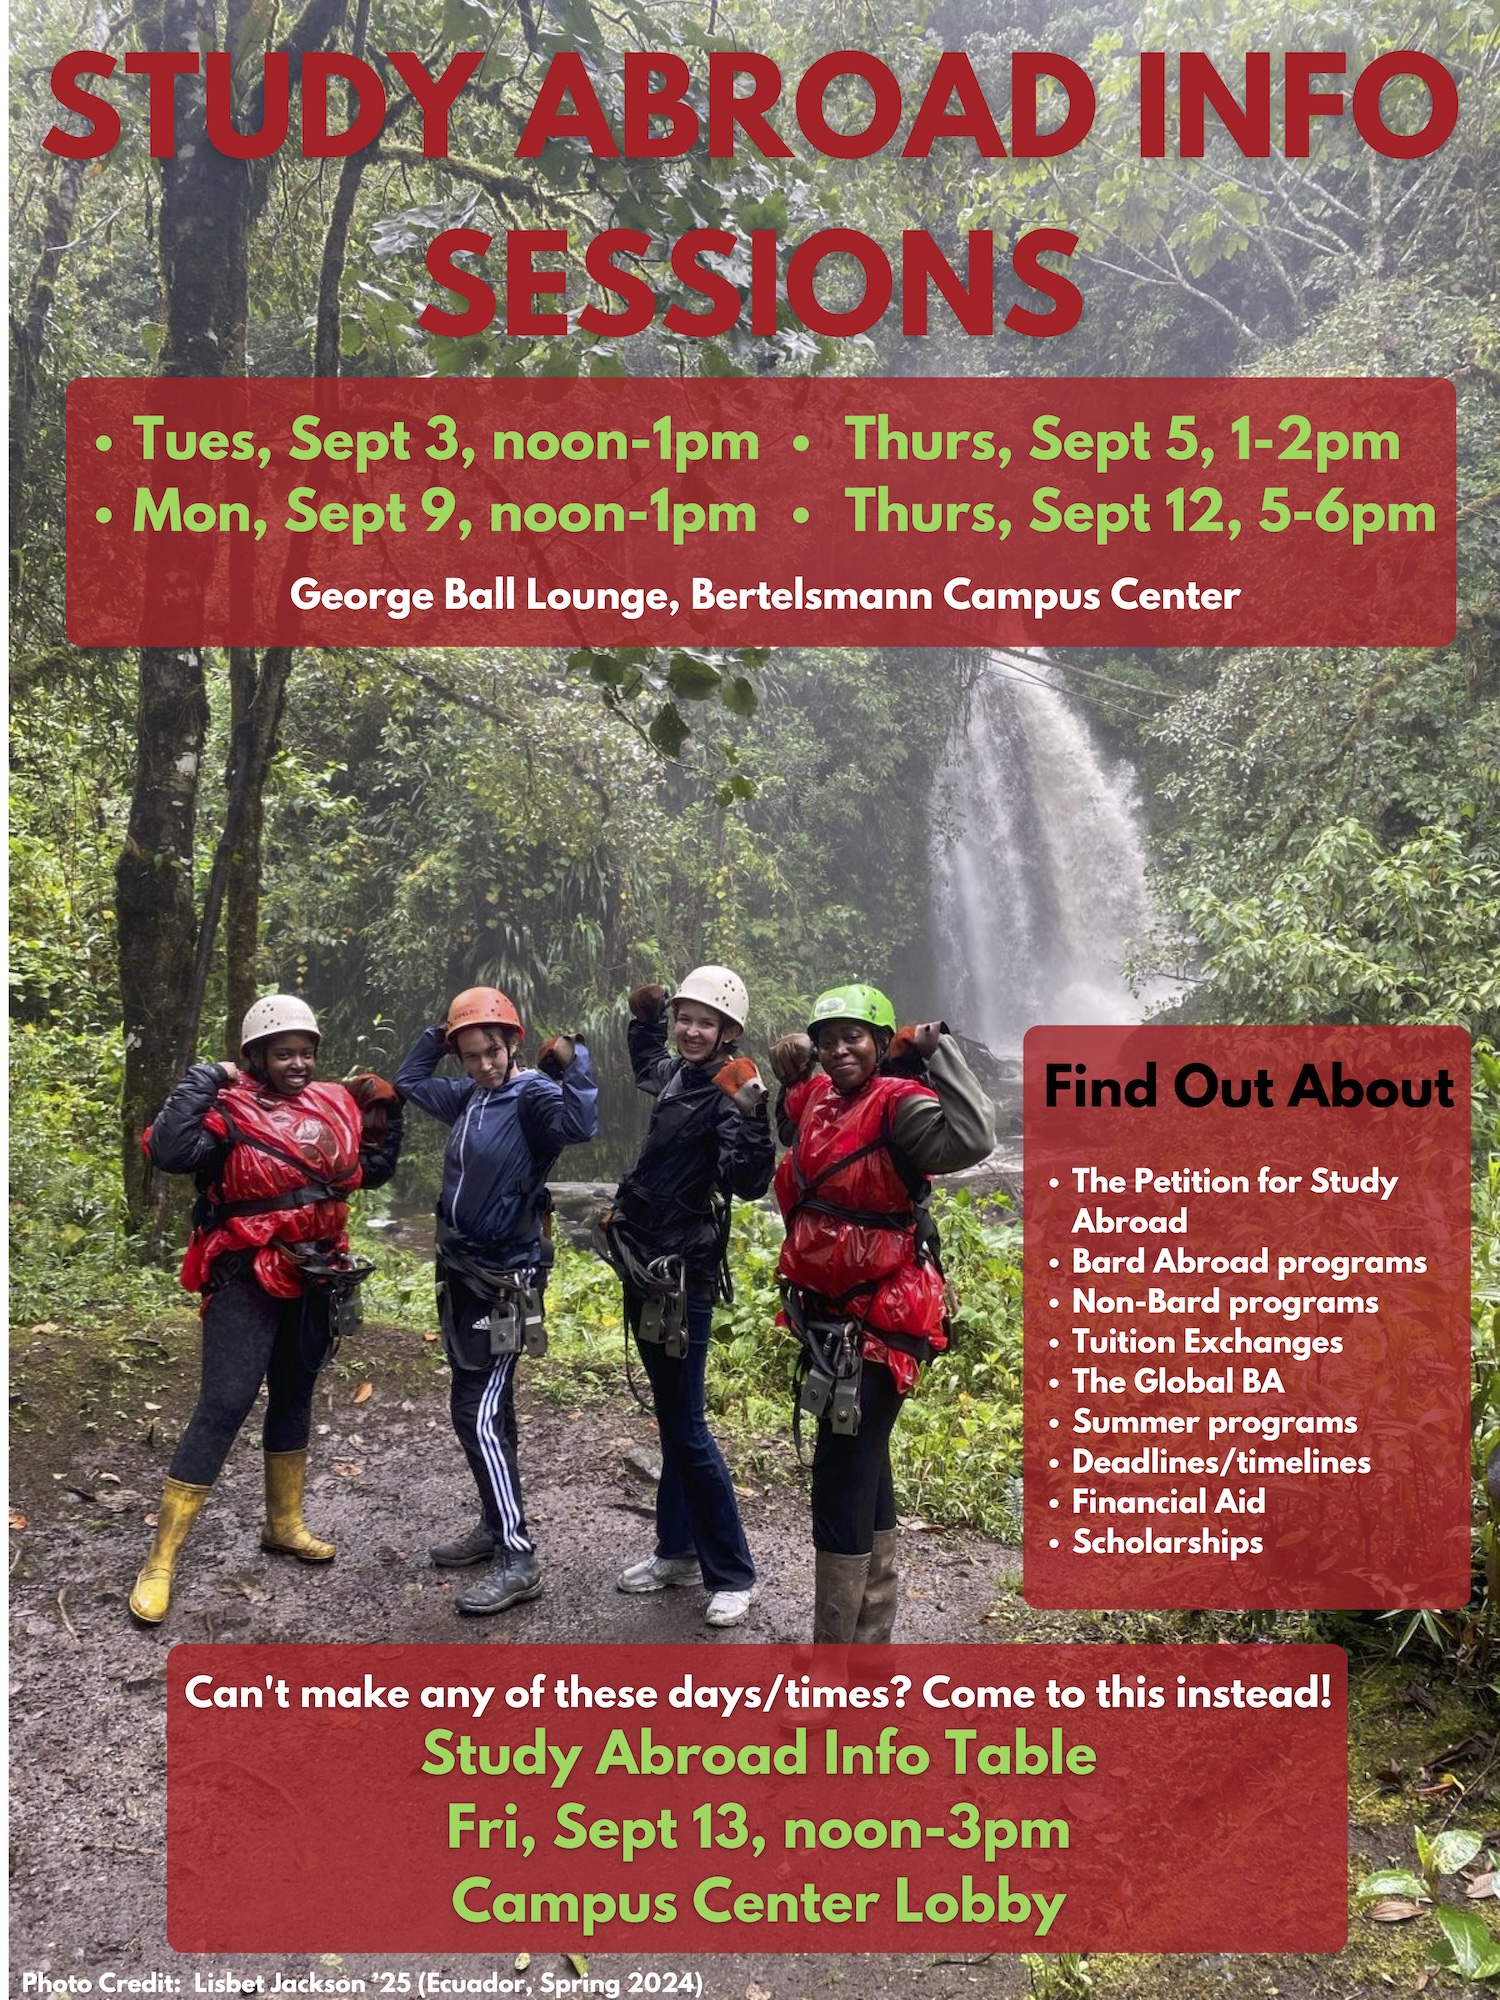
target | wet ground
[{"x": 93, "y": 1424}]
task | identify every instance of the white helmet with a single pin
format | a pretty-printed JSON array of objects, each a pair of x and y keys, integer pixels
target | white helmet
[
  {"x": 278, "y": 1014},
  {"x": 717, "y": 987}
]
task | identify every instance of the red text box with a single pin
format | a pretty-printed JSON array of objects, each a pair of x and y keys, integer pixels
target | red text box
[
  {"x": 976, "y": 512},
  {"x": 1247, "y": 1317},
  {"x": 1005, "y": 1798}
]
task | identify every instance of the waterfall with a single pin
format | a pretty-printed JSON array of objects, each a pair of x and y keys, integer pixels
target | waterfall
[{"x": 1038, "y": 865}]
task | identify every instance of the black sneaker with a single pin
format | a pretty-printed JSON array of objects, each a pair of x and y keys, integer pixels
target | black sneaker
[
  {"x": 475, "y": 1547},
  {"x": 511, "y": 1578}
]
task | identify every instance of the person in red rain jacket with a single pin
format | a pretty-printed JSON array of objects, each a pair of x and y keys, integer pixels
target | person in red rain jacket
[
  {"x": 857, "y": 1268},
  {"x": 277, "y": 1155}
]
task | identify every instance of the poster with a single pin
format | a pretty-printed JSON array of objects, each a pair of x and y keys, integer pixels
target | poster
[{"x": 1252, "y": 261}]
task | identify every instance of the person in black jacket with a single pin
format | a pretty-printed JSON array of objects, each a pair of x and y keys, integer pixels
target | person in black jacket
[{"x": 709, "y": 1139}]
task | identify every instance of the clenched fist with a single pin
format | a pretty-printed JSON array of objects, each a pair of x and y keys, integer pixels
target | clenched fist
[
  {"x": 647, "y": 1003},
  {"x": 555, "y": 1054},
  {"x": 792, "y": 1058},
  {"x": 741, "y": 1082}
]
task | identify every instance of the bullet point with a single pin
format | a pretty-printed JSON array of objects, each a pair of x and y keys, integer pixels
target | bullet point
[
  {"x": 1052, "y": 1423},
  {"x": 103, "y": 514},
  {"x": 1052, "y": 1343},
  {"x": 799, "y": 514},
  {"x": 1053, "y": 1383},
  {"x": 1053, "y": 1463},
  {"x": 1051, "y": 1503},
  {"x": 1052, "y": 1261},
  {"x": 1052, "y": 1183},
  {"x": 1052, "y": 1302},
  {"x": 103, "y": 443},
  {"x": 1052, "y": 1544},
  {"x": 799, "y": 443}
]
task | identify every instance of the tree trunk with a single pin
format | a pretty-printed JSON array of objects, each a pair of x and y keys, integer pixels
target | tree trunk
[
  {"x": 154, "y": 893},
  {"x": 258, "y": 699},
  {"x": 208, "y": 207},
  {"x": 204, "y": 221}
]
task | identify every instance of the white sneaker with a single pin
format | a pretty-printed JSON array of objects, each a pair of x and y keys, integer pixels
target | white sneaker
[
  {"x": 654, "y": 1573},
  {"x": 729, "y": 1607}
]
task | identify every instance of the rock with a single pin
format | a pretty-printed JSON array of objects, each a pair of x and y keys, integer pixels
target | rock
[{"x": 575, "y": 1205}]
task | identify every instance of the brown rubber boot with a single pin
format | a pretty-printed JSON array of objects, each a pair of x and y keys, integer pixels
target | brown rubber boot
[
  {"x": 877, "y": 1612},
  {"x": 838, "y": 1591},
  {"x": 286, "y": 1533},
  {"x": 180, "y": 1507}
]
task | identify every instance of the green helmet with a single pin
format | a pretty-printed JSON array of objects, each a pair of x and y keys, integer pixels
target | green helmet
[{"x": 853, "y": 1003}]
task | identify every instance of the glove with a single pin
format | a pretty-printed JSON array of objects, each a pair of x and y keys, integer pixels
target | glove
[
  {"x": 792, "y": 1058},
  {"x": 926, "y": 1038},
  {"x": 910, "y": 1049},
  {"x": 741, "y": 1083},
  {"x": 648, "y": 1003},
  {"x": 378, "y": 1102},
  {"x": 367, "y": 1088},
  {"x": 555, "y": 1054}
]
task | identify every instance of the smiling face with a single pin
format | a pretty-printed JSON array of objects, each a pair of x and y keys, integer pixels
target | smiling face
[
  {"x": 287, "y": 1063},
  {"x": 848, "y": 1053},
  {"x": 486, "y": 1054},
  {"x": 696, "y": 1030}
]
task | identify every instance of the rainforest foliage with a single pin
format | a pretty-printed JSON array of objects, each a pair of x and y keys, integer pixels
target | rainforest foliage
[{"x": 379, "y": 828}]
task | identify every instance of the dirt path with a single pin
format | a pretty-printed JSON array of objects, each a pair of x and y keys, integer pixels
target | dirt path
[{"x": 87, "y": 1696}]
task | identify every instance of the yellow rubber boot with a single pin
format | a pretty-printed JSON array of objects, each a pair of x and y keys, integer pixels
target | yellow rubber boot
[
  {"x": 180, "y": 1507},
  {"x": 286, "y": 1533}
]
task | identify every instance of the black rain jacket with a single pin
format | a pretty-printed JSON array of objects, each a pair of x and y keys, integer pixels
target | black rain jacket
[{"x": 699, "y": 1150}]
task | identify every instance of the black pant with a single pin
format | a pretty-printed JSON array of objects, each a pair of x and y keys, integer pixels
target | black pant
[
  {"x": 852, "y": 1492},
  {"x": 249, "y": 1338},
  {"x": 482, "y": 1404}
]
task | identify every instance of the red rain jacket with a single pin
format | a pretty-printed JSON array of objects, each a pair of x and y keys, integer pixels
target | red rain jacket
[
  {"x": 300, "y": 1156},
  {"x": 838, "y": 1171}
]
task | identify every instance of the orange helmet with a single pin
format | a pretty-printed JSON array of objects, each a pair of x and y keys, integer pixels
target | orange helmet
[{"x": 482, "y": 1007}]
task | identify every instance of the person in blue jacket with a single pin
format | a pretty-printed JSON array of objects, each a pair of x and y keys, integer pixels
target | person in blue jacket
[{"x": 507, "y": 1127}]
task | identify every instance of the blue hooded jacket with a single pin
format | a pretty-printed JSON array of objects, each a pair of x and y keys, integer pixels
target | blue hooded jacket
[{"x": 502, "y": 1145}]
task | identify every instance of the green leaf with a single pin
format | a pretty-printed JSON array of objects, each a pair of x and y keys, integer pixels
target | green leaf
[
  {"x": 1389, "y": 1882},
  {"x": 738, "y": 695},
  {"x": 1454, "y": 1850},
  {"x": 691, "y": 677},
  {"x": 1469, "y": 1938},
  {"x": 668, "y": 731}
]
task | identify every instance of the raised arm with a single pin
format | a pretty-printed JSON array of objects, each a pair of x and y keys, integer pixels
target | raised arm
[
  {"x": 184, "y": 1137},
  {"x": 564, "y": 1113},
  {"x": 441, "y": 1097},
  {"x": 650, "y": 1059},
  {"x": 955, "y": 1129}
]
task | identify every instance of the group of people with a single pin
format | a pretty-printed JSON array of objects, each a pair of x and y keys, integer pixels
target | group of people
[{"x": 866, "y": 1112}]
